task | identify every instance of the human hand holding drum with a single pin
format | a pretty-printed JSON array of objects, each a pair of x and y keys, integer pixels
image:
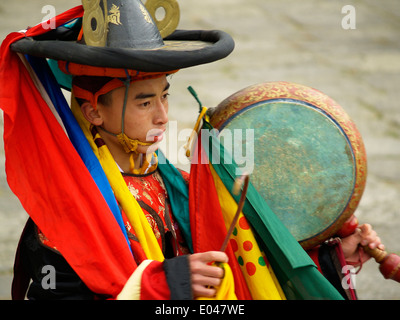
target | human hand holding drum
[
  {"x": 355, "y": 236},
  {"x": 362, "y": 236}
]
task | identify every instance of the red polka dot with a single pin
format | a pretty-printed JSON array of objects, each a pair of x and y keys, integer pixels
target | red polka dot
[
  {"x": 243, "y": 223},
  {"x": 247, "y": 245},
  {"x": 234, "y": 244},
  {"x": 251, "y": 268}
]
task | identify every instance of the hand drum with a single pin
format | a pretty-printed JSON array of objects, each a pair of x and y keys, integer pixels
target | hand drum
[{"x": 309, "y": 158}]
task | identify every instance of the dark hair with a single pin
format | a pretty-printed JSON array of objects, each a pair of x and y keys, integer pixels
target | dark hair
[{"x": 93, "y": 84}]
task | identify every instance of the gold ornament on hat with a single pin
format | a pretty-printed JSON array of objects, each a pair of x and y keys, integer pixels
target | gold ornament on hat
[
  {"x": 170, "y": 21},
  {"x": 94, "y": 22},
  {"x": 114, "y": 16},
  {"x": 146, "y": 14}
]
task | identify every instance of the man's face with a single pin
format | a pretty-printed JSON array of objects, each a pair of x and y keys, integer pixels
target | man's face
[{"x": 146, "y": 114}]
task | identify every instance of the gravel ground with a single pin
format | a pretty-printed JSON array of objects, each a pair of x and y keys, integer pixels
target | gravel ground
[{"x": 297, "y": 41}]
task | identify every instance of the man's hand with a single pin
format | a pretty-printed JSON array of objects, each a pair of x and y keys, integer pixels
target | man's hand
[
  {"x": 364, "y": 235},
  {"x": 205, "y": 277}
]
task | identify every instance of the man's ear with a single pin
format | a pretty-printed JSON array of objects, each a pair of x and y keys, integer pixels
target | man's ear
[{"x": 91, "y": 114}]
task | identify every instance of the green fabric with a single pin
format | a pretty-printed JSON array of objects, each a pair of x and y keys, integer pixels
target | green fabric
[
  {"x": 178, "y": 195},
  {"x": 295, "y": 270},
  {"x": 64, "y": 80}
]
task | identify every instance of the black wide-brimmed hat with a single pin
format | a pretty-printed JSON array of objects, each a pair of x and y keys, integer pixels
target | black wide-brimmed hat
[{"x": 123, "y": 34}]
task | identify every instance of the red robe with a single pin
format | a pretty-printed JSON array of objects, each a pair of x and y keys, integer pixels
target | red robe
[{"x": 150, "y": 192}]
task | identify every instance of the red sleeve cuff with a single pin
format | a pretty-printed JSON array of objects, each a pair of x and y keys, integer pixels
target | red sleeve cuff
[{"x": 154, "y": 284}]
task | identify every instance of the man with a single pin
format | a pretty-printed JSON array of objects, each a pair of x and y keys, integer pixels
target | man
[
  {"x": 148, "y": 42},
  {"x": 145, "y": 118},
  {"x": 121, "y": 116}
]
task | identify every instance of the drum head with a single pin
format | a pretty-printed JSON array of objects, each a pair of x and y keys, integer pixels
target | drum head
[{"x": 309, "y": 158}]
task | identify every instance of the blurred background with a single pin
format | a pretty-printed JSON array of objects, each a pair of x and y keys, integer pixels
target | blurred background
[{"x": 298, "y": 41}]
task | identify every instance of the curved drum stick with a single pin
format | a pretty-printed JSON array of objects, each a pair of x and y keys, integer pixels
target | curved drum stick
[{"x": 236, "y": 189}]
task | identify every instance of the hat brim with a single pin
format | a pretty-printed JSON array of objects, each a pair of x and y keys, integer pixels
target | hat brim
[{"x": 182, "y": 49}]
